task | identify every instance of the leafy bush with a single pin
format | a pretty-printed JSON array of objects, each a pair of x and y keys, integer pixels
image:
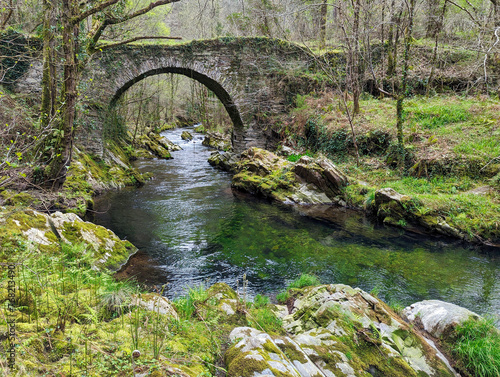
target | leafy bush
[{"x": 320, "y": 139}]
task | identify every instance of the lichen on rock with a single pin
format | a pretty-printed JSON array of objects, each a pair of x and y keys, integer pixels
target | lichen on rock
[
  {"x": 218, "y": 141},
  {"x": 186, "y": 135},
  {"x": 335, "y": 330}
]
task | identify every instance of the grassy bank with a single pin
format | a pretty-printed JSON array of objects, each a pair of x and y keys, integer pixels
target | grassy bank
[
  {"x": 452, "y": 164},
  {"x": 73, "y": 319}
]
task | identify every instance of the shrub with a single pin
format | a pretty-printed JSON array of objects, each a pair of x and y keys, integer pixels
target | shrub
[{"x": 282, "y": 297}]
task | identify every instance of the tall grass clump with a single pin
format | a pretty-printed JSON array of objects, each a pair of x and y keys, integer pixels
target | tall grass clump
[
  {"x": 477, "y": 347},
  {"x": 305, "y": 280},
  {"x": 186, "y": 305}
]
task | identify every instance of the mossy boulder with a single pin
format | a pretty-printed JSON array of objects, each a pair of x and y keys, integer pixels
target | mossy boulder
[
  {"x": 438, "y": 318},
  {"x": 155, "y": 303},
  {"x": 168, "y": 145},
  {"x": 45, "y": 233},
  {"x": 348, "y": 332},
  {"x": 322, "y": 173},
  {"x": 185, "y": 135},
  {"x": 13, "y": 198},
  {"x": 259, "y": 354},
  {"x": 154, "y": 143},
  {"x": 89, "y": 175},
  {"x": 309, "y": 181},
  {"x": 218, "y": 141},
  {"x": 226, "y": 161}
]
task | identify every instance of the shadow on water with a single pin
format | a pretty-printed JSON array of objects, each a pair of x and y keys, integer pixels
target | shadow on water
[{"x": 192, "y": 229}]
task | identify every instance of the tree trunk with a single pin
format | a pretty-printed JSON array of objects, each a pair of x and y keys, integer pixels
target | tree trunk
[
  {"x": 432, "y": 22},
  {"x": 404, "y": 83},
  {"x": 64, "y": 145},
  {"x": 439, "y": 25},
  {"x": 6, "y": 14},
  {"x": 496, "y": 12},
  {"x": 355, "y": 61},
  {"x": 49, "y": 90},
  {"x": 322, "y": 26}
]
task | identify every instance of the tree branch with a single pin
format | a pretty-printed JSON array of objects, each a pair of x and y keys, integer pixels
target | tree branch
[
  {"x": 107, "y": 47},
  {"x": 92, "y": 11},
  {"x": 140, "y": 12},
  {"x": 113, "y": 21},
  {"x": 466, "y": 11}
]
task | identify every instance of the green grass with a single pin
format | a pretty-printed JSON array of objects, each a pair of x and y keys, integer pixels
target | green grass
[
  {"x": 478, "y": 347},
  {"x": 264, "y": 319},
  {"x": 186, "y": 305},
  {"x": 488, "y": 147},
  {"x": 305, "y": 280},
  {"x": 260, "y": 301},
  {"x": 74, "y": 320},
  {"x": 434, "y": 185},
  {"x": 435, "y": 116}
]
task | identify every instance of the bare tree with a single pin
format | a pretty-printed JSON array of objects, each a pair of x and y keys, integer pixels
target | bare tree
[
  {"x": 72, "y": 14},
  {"x": 410, "y": 7}
]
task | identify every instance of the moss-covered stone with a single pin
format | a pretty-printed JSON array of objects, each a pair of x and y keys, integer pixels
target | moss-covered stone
[
  {"x": 186, "y": 135},
  {"x": 43, "y": 232},
  {"x": 308, "y": 181},
  {"x": 348, "y": 331}
]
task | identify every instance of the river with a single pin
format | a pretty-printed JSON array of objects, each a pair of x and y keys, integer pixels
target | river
[{"x": 192, "y": 229}]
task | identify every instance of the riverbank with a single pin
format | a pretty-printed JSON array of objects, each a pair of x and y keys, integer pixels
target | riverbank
[
  {"x": 73, "y": 318},
  {"x": 448, "y": 184}
]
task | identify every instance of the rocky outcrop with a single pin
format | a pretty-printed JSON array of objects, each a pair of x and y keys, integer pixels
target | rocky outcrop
[
  {"x": 153, "y": 145},
  {"x": 391, "y": 206},
  {"x": 218, "y": 141},
  {"x": 155, "y": 303},
  {"x": 45, "y": 233},
  {"x": 185, "y": 135},
  {"x": 336, "y": 330},
  {"x": 308, "y": 181},
  {"x": 168, "y": 145},
  {"x": 322, "y": 173}
]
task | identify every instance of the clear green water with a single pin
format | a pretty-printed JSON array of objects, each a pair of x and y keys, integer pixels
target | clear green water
[{"x": 196, "y": 230}]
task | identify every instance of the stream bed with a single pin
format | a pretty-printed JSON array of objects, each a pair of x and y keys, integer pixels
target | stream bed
[{"x": 192, "y": 229}]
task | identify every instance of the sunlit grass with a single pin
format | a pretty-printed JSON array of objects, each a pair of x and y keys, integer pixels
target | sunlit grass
[{"x": 478, "y": 347}]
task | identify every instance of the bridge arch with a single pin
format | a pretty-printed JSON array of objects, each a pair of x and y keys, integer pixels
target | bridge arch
[
  {"x": 253, "y": 77},
  {"x": 221, "y": 93}
]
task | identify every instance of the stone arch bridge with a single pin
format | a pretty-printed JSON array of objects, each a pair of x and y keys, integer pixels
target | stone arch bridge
[{"x": 252, "y": 77}]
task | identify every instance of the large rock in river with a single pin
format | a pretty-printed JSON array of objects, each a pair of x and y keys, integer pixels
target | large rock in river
[
  {"x": 185, "y": 135},
  {"x": 226, "y": 161},
  {"x": 218, "y": 141},
  {"x": 309, "y": 181},
  {"x": 336, "y": 330}
]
